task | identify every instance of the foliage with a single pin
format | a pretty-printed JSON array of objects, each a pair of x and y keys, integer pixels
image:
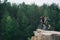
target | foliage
[{"x": 17, "y": 22}]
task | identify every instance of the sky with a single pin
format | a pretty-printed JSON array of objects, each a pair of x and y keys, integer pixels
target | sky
[{"x": 37, "y": 2}]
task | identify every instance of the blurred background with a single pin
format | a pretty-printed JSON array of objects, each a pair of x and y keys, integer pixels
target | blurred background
[{"x": 19, "y": 18}]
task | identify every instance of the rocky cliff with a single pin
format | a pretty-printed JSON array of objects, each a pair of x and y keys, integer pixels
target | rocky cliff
[{"x": 45, "y": 35}]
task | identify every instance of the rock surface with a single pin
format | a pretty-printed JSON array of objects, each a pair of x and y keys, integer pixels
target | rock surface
[{"x": 45, "y": 35}]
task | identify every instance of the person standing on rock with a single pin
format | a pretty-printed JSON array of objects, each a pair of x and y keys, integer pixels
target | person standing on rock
[{"x": 42, "y": 21}]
